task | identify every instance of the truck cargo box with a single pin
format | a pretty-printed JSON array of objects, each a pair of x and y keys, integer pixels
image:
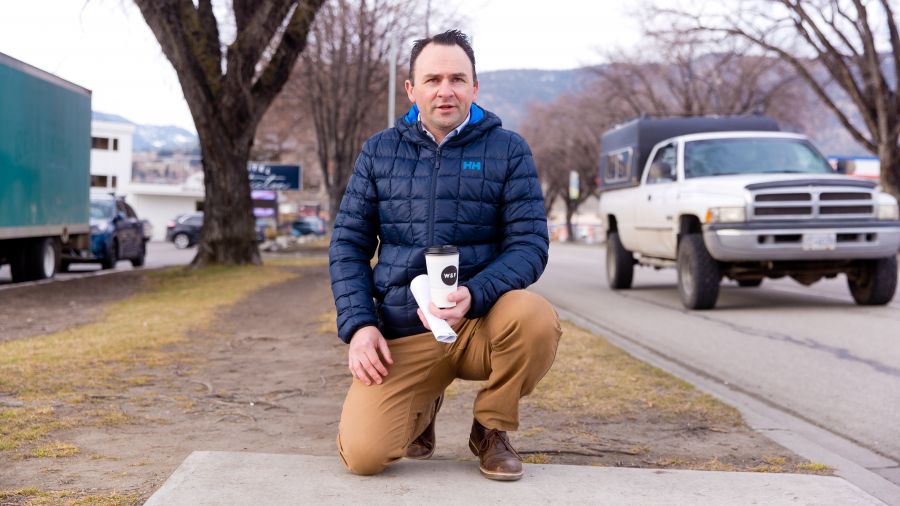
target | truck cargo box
[
  {"x": 45, "y": 142},
  {"x": 624, "y": 149},
  {"x": 45, "y": 135}
]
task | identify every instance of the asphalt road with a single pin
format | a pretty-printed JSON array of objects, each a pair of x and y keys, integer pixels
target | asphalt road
[
  {"x": 159, "y": 254},
  {"x": 809, "y": 351}
]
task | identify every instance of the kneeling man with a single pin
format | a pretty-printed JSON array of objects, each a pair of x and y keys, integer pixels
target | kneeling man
[{"x": 446, "y": 174}]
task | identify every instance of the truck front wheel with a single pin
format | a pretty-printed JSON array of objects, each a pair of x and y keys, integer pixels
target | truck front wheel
[
  {"x": 874, "y": 282},
  {"x": 619, "y": 263},
  {"x": 699, "y": 274}
]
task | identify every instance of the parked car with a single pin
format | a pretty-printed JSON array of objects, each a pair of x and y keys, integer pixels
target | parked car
[
  {"x": 308, "y": 225},
  {"x": 116, "y": 233},
  {"x": 184, "y": 230}
]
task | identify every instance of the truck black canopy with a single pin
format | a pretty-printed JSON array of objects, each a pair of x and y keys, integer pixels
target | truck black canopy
[{"x": 624, "y": 149}]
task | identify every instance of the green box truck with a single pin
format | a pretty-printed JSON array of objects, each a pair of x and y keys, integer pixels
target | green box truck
[{"x": 45, "y": 142}]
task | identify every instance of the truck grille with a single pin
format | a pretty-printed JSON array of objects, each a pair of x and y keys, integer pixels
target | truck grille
[{"x": 777, "y": 204}]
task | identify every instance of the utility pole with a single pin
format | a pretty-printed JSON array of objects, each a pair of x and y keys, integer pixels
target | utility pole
[{"x": 392, "y": 82}]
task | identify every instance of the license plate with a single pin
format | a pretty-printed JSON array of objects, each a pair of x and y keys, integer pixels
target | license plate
[{"x": 819, "y": 241}]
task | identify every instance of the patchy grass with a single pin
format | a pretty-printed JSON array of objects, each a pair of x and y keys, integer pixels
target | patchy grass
[
  {"x": 815, "y": 467},
  {"x": 328, "y": 322},
  {"x": 711, "y": 465},
  {"x": 35, "y": 497},
  {"x": 81, "y": 366},
  {"x": 294, "y": 261},
  {"x": 594, "y": 379},
  {"x": 536, "y": 458},
  {"x": 55, "y": 450},
  {"x": 21, "y": 425}
]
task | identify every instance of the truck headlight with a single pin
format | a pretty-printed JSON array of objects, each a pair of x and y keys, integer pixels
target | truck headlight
[
  {"x": 888, "y": 212},
  {"x": 726, "y": 215}
]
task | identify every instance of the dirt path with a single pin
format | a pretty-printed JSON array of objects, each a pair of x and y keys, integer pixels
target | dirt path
[
  {"x": 269, "y": 377},
  {"x": 46, "y": 308}
]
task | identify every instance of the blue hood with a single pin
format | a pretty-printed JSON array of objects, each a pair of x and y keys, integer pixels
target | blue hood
[{"x": 476, "y": 114}]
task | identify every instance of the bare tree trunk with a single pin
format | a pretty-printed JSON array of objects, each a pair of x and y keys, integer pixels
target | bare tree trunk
[
  {"x": 571, "y": 208},
  {"x": 228, "y": 235},
  {"x": 549, "y": 198},
  {"x": 335, "y": 194}
]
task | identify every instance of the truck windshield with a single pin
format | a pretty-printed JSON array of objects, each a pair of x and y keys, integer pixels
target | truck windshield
[
  {"x": 102, "y": 210},
  {"x": 720, "y": 157}
]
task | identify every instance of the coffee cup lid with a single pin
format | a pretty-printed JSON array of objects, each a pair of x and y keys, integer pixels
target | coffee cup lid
[{"x": 442, "y": 250}]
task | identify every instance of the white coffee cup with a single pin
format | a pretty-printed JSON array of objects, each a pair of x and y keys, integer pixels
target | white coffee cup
[{"x": 442, "y": 263}]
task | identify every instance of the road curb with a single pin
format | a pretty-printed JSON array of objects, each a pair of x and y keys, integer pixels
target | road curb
[{"x": 794, "y": 433}]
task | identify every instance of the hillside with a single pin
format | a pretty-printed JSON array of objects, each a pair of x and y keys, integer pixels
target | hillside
[
  {"x": 155, "y": 137},
  {"x": 508, "y": 93}
]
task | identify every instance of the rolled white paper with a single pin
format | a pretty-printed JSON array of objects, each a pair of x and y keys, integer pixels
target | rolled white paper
[{"x": 421, "y": 290}]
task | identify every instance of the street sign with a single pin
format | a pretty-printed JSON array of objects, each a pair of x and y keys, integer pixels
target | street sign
[{"x": 267, "y": 176}]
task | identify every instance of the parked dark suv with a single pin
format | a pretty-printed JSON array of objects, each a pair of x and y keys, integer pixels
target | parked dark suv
[
  {"x": 116, "y": 233},
  {"x": 184, "y": 231}
]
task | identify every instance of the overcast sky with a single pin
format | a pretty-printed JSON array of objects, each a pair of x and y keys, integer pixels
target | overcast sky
[{"x": 104, "y": 45}]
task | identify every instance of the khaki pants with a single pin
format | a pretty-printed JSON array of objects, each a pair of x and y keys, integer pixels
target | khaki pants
[{"x": 511, "y": 348}]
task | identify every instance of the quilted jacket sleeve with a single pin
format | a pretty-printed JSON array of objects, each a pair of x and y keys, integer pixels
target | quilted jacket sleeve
[
  {"x": 353, "y": 245},
  {"x": 524, "y": 244}
]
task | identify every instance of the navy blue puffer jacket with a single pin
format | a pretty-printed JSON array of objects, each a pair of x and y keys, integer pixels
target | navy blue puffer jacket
[{"x": 479, "y": 191}]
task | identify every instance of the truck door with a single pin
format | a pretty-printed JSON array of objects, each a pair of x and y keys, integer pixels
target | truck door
[{"x": 656, "y": 204}]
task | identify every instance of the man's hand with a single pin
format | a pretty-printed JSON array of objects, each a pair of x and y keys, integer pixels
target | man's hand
[
  {"x": 363, "y": 359},
  {"x": 452, "y": 315}
]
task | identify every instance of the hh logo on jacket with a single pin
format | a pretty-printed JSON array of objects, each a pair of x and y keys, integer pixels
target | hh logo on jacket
[{"x": 471, "y": 165}]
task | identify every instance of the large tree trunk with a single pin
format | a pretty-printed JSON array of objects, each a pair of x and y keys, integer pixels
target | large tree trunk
[
  {"x": 228, "y": 93},
  {"x": 228, "y": 235}
]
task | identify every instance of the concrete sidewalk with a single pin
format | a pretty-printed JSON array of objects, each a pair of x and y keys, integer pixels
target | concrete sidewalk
[{"x": 222, "y": 478}]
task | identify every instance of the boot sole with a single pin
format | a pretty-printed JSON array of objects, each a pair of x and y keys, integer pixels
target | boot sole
[{"x": 494, "y": 475}]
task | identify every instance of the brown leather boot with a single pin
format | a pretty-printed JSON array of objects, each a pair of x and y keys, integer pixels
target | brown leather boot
[
  {"x": 423, "y": 446},
  {"x": 499, "y": 460}
]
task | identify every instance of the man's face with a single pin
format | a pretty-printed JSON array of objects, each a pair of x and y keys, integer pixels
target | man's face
[{"x": 444, "y": 88}]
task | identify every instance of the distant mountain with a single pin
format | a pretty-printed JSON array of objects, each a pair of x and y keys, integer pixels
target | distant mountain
[
  {"x": 508, "y": 93},
  {"x": 154, "y": 137}
]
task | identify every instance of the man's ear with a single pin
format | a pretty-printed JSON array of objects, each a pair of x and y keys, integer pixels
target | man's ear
[
  {"x": 409, "y": 94},
  {"x": 475, "y": 96}
]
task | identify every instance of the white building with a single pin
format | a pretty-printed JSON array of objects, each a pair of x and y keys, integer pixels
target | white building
[
  {"x": 111, "y": 149},
  {"x": 111, "y": 170},
  {"x": 161, "y": 203}
]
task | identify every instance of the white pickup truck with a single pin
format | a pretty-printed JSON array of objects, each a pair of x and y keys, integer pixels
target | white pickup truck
[{"x": 737, "y": 198}]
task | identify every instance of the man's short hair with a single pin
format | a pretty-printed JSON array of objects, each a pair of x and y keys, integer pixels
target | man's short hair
[{"x": 448, "y": 38}]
